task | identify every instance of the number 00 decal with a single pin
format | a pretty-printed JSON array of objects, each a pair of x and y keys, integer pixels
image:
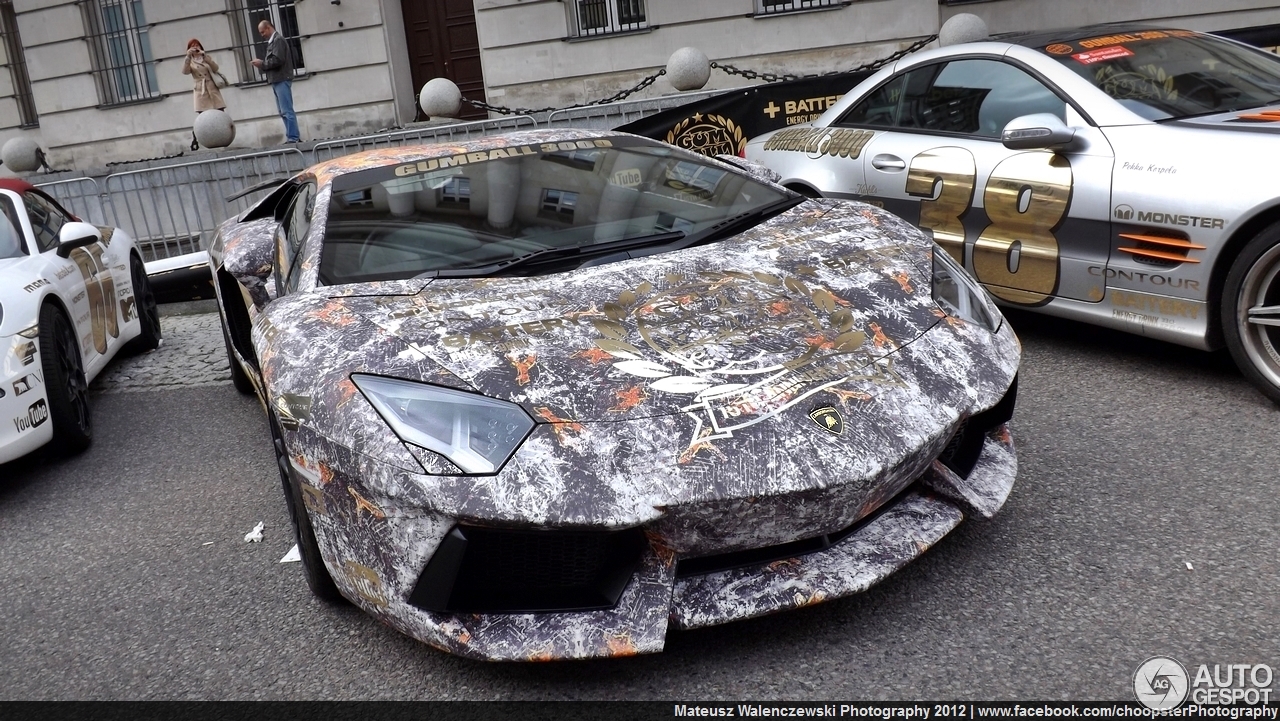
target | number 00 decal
[
  {"x": 101, "y": 288},
  {"x": 1026, "y": 198}
]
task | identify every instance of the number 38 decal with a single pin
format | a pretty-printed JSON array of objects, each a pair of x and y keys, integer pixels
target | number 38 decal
[{"x": 1026, "y": 198}]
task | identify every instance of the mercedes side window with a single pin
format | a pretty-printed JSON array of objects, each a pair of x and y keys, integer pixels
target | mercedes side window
[
  {"x": 297, "y": 224},
  {"x": 46, "y": 220},
  {"x": 974, "y": 97},
  {"x": 879, "y": 109}
]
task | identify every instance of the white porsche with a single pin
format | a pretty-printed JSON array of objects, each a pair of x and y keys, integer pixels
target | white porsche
[
  {"x": 1117, "y": 175},
  {"x": 72, "y": 295}
]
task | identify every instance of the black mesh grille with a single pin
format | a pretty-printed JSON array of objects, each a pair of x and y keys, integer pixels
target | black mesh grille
[
  {"x": 536, "y": 560},
  {"x": 486, "y": 570}
]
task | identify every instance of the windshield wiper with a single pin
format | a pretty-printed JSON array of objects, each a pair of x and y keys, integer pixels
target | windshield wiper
[
  {"x": 739, "y": 223},
  {"x": 547, "y": 255},
  {"x": 1251, "y": 106}
]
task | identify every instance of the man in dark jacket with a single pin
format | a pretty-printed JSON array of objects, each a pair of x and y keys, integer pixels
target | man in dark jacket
[{"x": 277, "y": 67}]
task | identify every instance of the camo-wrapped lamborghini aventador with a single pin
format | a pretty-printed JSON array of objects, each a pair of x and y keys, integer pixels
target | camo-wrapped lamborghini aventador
[{"x": 546, "y": 395}]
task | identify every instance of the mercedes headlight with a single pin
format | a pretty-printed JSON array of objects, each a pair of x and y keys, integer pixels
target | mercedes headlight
[
  {"x": 477, "y": 434},
  {"x": 959, "y": 295}
]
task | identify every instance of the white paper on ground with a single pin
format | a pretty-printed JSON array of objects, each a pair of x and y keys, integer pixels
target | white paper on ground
[
  {"x": 292, "y": 556},
  {"x": 255, "y": 536}
]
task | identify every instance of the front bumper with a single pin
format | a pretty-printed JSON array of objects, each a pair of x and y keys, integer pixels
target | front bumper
[
  {"x": 728, "y": 533},
  {"x": 24, "y": 409},
  {"x": 378, "y": 560}
]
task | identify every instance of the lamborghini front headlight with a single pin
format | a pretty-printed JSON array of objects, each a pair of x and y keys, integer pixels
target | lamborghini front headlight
[
  {"x": 476, "y": 433},
  {"x": 959, "y": 295}
]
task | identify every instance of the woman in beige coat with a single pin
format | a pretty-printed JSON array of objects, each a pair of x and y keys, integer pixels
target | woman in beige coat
[{"x": 202, "y": 70}]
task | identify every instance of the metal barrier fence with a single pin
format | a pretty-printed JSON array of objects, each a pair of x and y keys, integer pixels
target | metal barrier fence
[
  {"x": 429, "y": 134},
  {"x": 82, "y": 197},
  {"x": 175, "y": 209}
]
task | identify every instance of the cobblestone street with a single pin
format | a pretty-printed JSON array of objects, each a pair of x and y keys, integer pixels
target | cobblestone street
[{"x": 192, "y": 355}]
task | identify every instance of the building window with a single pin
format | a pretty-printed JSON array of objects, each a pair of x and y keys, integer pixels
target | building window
[
  {"x": 358, "y": 199},
  {"x": 245, "y": 16},
  {"x": 17, "y": 61},
  {"x": 455, "y": 194},
  {"x": 558, "y": 205},
  {"x": 777, "y": 7},
  {"x": 577, "y": 159},
  {"x": 592, "y": 18},
  {"x": 119, "y": 37}
]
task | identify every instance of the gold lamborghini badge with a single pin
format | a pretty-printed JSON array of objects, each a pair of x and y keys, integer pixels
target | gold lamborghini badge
[{"x": 828, "y": 419}]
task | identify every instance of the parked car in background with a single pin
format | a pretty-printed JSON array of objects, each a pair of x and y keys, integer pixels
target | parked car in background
[
  {"x": 1116, "y": 175},
  {"x": 72, "y": 295}
]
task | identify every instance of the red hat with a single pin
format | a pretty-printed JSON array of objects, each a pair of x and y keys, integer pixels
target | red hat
[{"x": 194, "y": 43}]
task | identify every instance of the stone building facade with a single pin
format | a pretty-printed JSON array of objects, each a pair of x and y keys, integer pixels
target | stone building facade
[
  {"x": 556, "y": 52},
  {"x": 99, "y": 81}
]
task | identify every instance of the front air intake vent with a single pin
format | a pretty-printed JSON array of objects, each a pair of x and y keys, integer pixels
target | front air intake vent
[
  {"x": 965, "y": 446},
  {"x": 489, "y": 570}
]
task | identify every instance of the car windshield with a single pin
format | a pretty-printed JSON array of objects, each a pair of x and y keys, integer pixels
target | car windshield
[
  {"x": 1170, "y": 74},
  {"x": 11, "y": 245},
  {"x": 496, "y": 208}
]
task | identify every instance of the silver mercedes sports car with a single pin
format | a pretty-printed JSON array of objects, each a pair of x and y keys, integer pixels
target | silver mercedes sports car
[
  {"x": 1115, "y": 175},
  {"x": 545, "y": 395}
]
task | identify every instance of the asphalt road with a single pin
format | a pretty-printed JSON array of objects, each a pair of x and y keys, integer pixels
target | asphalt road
[{"x": 1144, "y": 522}]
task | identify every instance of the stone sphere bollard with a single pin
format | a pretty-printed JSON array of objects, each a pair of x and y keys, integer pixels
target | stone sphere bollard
[
  {"x": 963, "y": 28},
  {"x": 688, "y": 69},
  {"x": 214, "y": 129},
  {"x": 440, "y": 98},
  {"x": 21, "y": 155}
]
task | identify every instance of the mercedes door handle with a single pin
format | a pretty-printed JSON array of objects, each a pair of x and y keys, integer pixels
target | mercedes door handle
[{"x": 891, "y": 163}]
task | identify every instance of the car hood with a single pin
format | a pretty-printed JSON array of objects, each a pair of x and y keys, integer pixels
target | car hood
[
  {"x": 1266, "y": 120},
  {"x": 789, "y": 307}
]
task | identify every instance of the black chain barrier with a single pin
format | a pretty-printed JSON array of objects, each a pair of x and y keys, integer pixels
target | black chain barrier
[
  {"x": 873, "y": 65},
  {"x": 729, "y": 69},
  {"x": 620, "y": 95}
]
